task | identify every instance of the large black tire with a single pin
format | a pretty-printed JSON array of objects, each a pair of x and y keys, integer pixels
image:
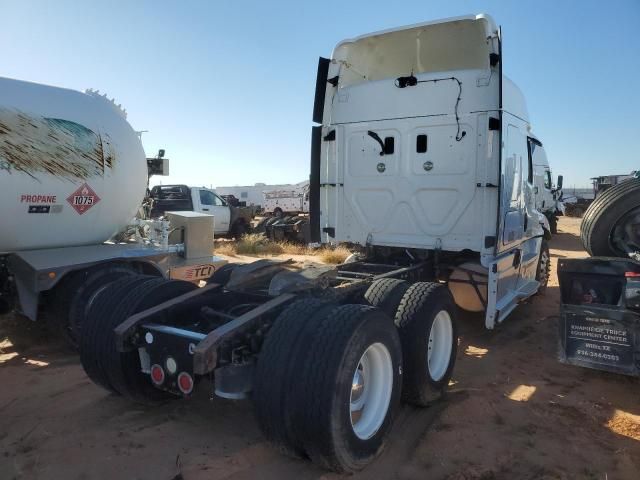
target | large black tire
[
  {"x": 420, "y": 306},
  {"x": 62, "y": 296},
  {"x": 543, "y": 271},
  {"x": 86, "y": 293},
  {"x": 239, "y": 228},
  {"x": 90, "y": 341},
  {"x": 553, "y": 223},
  {"x": 223, "y": 274},
  {"x": 120, "y": 372},
  {"x": 283, "y": 350},
  {"x": 323, "y": 393},
  {"x": 386, "y": 294},
  {"x": 123, "y": 368},
  {"x": 600, "y": 219}
]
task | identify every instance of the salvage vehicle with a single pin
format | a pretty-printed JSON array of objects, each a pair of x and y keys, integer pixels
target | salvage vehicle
[
  {"x": 421, "y": 162},
  {"x": 228, "y": 220},
  {"x": 600, "y": 296},
  {"x": 73, "y": 174}
]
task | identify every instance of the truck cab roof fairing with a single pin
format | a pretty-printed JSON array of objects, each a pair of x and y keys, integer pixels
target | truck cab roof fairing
[{"x": 458, "y": 43}]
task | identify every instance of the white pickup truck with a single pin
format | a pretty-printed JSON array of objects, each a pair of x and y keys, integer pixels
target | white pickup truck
[{"x": 228, "y": 220}]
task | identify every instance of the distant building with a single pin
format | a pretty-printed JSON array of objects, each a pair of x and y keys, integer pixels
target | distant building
[{"x": 253, "y": 194}]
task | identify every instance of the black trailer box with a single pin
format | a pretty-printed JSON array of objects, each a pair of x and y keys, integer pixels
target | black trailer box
[{"x": 600, "y": 313}]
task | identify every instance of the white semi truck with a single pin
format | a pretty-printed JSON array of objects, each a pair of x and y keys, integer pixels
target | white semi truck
[
  {"x": 73, "y": 173},
  {"x": 420, "y": 161}
]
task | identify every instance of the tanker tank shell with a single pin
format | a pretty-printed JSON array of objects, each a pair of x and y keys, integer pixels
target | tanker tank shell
[{"x": 72, "y": 170}]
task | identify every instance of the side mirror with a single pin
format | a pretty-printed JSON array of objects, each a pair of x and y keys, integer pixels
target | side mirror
[{"x": 560, "y": 178}]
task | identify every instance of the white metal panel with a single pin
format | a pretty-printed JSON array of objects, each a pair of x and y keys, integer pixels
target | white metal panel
[
  {"x": 422, "y": 200},
  {"x": 57, "y": 147}
]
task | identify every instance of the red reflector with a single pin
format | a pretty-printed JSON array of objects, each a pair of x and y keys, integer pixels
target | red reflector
[
  {"x": 631, "y": 274},
  {"x": 185, "y": 383},
  {"x": 157, "y": 374}
]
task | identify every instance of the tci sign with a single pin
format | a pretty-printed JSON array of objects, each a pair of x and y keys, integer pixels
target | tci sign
[{"x": 199, "y": 272}]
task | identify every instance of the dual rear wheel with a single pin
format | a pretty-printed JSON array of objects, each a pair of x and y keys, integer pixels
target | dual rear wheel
[{"x": 330, "y": 377}]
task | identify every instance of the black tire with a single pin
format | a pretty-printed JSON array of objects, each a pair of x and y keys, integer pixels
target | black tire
[
  {"x": 239, "y": 228},
  {"x": 270, "y": 221},
  {"x": 120, "y": 372},
  {"x": 386, "y": 294},
  {"x": 604, "y": 213},
  {"x": 418, "y": 309},
  {"x": 123, "y": 368},
  {"x": 223, "y": 274},
  {"x": 277, "y": 212},
  {"x": 543, "y": 271},
  {"x": 260, "y": 227},
  {"x": 322, "y": 414},
  {"x": 286, "y": 343},
  {"x": 86, "y": 292},
  {"x": 90, "y": 341},
  {"x": 63, "y": 294},
  {"x": 553, "y": 224}
]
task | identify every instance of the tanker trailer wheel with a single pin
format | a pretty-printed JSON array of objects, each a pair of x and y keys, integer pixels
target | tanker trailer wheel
[
  {"x": 543, "y": 271},
  {"x": 611, "y": 225},
  {"x": 123, "y": 369},
  {"x": 348, "y": 388},
  {"x": 81, "y": 301},
  {"x": 277, "y": 372},
  {"x": 426, "y": 319},
  {"x": 120, "y": 372},
  {"x": 92, "y": 329},
  {"x": 386, "y": 293}
]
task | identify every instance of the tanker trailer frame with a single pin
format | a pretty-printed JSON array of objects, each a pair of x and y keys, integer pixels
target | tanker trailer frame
[{"x": 63, "y": 281}]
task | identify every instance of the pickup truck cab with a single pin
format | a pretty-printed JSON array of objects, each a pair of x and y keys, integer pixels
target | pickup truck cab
[{"x": 228, "y": 220}]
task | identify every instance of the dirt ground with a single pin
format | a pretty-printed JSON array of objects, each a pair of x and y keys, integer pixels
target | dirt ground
[{"x": 513, "y": 412}]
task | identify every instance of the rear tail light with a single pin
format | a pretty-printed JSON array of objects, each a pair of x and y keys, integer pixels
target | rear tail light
[
  {"x": 632, "y": 274},
  {"x": 157, "y": 374},
  {"x": 185, "y": 383}
]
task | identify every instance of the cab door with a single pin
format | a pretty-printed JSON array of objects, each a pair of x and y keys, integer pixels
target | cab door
[
  {"x": 516, "y": 214},
  {"x": 213, "y": 205}
]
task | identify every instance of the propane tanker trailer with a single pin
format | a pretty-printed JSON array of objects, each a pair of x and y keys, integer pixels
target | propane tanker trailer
[
  {"x": 422, "y": 162},
  {"x": 73, "y": 173}
]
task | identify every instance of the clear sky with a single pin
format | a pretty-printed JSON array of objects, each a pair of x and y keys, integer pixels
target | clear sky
[{"x": 226, "y": 87}]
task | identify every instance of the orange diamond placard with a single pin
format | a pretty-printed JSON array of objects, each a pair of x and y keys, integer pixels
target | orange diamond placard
[{"x": 83, "y": 198}]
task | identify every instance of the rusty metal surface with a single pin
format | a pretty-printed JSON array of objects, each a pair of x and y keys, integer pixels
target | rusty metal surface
[{"x": 38, "y": 145}]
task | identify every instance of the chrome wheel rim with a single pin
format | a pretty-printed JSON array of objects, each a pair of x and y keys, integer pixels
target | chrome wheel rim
[{"x": 371, "y": 387}]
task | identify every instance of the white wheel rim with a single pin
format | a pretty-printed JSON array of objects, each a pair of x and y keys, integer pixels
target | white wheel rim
[
  {"x": 371, "y": 389},
  {"x": 440, "y": 345}
]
